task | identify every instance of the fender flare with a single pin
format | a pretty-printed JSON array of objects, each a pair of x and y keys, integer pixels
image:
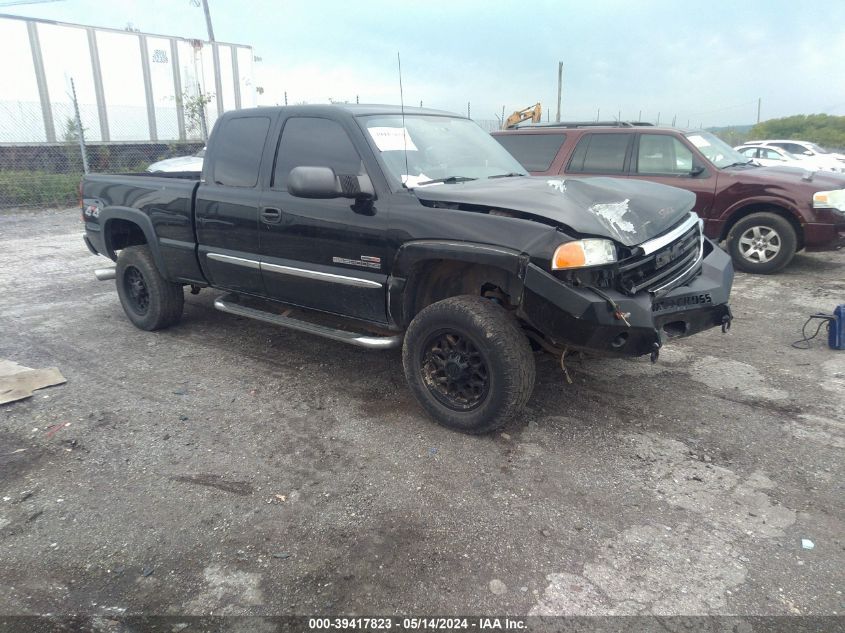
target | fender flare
[
  {"x": 142, "y": 220},
  {"x": 727, "y": 216},
  {"x": 412, "y": 254}
]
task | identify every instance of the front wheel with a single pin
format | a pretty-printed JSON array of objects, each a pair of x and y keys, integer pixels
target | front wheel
[
  {"x": 468, "y": 363},
  {"x": 762, "y": 243},
  {"x": 148, "y": 299}
]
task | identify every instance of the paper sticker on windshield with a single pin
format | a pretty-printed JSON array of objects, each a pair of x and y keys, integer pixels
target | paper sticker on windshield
[
  {"x": 698, "y": 141},
  {"x": 412, "y": 182},
  {"x": 391, "y": 139}
]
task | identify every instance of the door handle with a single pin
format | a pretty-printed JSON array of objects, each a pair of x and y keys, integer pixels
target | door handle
[{"x": 271, "y": 215}]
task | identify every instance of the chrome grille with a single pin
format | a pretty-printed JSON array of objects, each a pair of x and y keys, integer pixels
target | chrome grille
[{"x": 661, "y": 269}]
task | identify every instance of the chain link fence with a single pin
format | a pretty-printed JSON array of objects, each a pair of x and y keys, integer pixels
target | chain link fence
[
  {"x": 34, "y": 173},
  {"x": 489, "y": 125}
]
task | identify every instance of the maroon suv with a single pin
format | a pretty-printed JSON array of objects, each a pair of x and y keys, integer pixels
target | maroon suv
[{"x": 765, "y": 214}]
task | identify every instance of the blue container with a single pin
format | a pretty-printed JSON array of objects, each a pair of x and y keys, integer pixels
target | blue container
[{"x": 836, "y": 328}]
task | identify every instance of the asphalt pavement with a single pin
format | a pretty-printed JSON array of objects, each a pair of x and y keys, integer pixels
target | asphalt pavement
[{"x": 227, "y": 466}]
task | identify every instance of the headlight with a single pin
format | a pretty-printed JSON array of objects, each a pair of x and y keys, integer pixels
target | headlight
[
  {"x": 582, "y": 253},
  {"x": 829, "y": 199}
]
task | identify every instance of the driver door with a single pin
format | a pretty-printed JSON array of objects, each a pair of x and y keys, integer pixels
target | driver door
[{"x": 324, "y": 254}]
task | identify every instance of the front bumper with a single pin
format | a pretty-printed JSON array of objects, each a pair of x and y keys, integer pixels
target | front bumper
[
  {"x": 580, "y": 319},
  {"x": 824, "y": 237}
]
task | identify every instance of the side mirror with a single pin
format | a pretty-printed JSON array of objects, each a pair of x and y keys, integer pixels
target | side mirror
[
  {"x": 321, "y": 182},
  {"x": 696, "y": 170},
  {"x": 313, "y": 182}
]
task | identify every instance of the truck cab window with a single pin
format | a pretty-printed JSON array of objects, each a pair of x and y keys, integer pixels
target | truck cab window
[
  {"x": 239, "y": 147},
  {"x": 313, "y": 142}
]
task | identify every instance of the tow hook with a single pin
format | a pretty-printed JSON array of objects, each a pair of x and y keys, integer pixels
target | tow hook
[
  {"x": 655, "y": 352},
  {"x": 726, "y": 323}
]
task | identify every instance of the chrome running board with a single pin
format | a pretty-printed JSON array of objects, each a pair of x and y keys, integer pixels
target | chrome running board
[{"x": 229, "y": 304}]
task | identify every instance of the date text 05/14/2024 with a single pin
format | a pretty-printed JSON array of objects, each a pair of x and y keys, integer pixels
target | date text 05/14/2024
[{"x": 417, "y": 624}]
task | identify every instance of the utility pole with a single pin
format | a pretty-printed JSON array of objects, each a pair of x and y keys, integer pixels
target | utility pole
[
  {"x": 218, "y": 82},
  {"x": 559, "y": 89},
  {"x": 468, "y": 116},
  {"x": 286, "y": 97},
  {"x": 640, "y": 116},
  {"x": 759, "y": 102},
  {"x": 598, "y": 114},
  {"x": 208, "y": 20}
]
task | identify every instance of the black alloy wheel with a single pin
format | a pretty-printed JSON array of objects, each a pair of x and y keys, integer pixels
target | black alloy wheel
[
  {"x": 454, "y": 370},
  {"x": 136, "y": 290}
]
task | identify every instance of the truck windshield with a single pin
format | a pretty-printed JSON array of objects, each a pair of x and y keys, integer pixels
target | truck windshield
[
  {"x": 436, "y": 150},
  {"x": 716, "y": 150}
]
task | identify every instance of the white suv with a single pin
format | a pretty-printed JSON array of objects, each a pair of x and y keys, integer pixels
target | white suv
[{"x": 829, "y": 161}]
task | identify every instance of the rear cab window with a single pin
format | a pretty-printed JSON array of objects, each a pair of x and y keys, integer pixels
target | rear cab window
[
  {"x": 535, "y": 152},
  {"x": 600, "y": 154}
]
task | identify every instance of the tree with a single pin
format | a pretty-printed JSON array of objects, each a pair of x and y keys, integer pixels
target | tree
[
  {"x": 824, "y": 129},
  {"x": 193, "y": 106}
]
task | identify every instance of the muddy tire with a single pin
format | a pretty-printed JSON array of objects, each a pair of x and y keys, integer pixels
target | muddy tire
[
  {"x": 149, "y": 300},
  {"x": 468, "y": 364},
  {"x": 762, "y": 243}
]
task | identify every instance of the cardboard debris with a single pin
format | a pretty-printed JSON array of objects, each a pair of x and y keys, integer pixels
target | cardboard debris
[{"x": 18, "y": 382}]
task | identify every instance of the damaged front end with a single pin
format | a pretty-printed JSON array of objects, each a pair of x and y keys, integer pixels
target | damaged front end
[
  {"x": 626, "y": 266},
  {"x": 674, "y": 285}
]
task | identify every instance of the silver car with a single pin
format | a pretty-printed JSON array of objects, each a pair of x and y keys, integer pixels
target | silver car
[{"x": 180, "y": 163}]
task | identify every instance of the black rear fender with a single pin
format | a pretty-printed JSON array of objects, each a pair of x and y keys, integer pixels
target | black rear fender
[{"x": 124, "y": 227}]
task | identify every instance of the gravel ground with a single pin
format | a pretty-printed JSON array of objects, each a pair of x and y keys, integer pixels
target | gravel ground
[{"x": 226, "y": 466}]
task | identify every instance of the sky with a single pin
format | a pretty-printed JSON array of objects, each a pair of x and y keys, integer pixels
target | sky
[{"x": 699, "y": 64}]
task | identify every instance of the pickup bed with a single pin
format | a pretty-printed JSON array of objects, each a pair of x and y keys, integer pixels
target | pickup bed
[
  {"x": 382, "y": 227},
  {"x": 764, "y": 214}
]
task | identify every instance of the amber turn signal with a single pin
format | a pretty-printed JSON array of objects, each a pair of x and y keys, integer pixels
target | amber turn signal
[{"x": 582, "y": 253}]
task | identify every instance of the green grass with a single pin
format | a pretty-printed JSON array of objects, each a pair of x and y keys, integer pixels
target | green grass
[{"x": 38, "y": 188}]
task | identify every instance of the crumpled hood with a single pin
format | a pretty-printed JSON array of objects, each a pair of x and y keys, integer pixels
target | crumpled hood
[{"x": 628, "y": 211}]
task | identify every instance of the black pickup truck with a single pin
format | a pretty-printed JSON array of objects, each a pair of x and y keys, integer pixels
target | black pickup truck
[{"x": 383, "y": 228}]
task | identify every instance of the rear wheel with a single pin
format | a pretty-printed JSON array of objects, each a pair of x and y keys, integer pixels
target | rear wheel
[
  {"x": 468, "y": 363},
  {"x": 762, "y": 243},
  {"x": 148, "y": 299}
]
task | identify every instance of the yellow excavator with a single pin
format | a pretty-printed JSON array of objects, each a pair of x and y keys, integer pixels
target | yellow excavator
[{"x": 532, "y": 113}]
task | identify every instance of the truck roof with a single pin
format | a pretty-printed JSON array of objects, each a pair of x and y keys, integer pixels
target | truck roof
[{"x": 355, "y": 109}]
